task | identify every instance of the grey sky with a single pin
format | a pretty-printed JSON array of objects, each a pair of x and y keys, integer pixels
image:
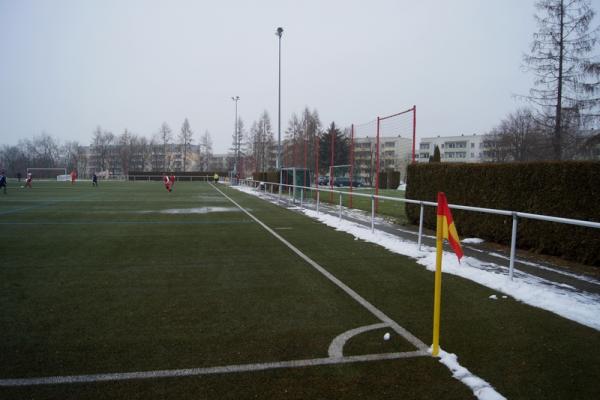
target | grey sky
[{"x": 68, "y": 66}]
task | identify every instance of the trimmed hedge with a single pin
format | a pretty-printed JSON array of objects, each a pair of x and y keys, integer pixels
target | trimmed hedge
[
  {"x": 389, "y": 180},
  {"x": 568, "y": 189}
]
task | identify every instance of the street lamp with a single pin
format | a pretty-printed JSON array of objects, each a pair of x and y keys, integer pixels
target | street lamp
[
  {"x": 235, "y": 136},
  {"x": 279, "y": 32}
]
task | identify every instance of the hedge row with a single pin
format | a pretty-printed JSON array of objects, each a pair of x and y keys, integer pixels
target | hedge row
[
  {"x": 562, "y": 189},
  {"x": 389, "y": 180}
]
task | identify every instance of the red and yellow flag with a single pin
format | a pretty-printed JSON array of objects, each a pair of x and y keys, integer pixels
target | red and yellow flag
[
  {"x": 445, "y": 230},
  {"x": 446, "y": 225}
]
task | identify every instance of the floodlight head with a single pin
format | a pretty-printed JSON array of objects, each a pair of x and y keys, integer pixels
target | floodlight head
[{"x": 279, "y": 32}]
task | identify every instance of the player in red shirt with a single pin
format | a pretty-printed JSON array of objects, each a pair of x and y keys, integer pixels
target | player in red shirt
[
  {"x": 73, "y": 177},
  {"x": 168, "y": 182},
  {"x": 28, "y": 180}
]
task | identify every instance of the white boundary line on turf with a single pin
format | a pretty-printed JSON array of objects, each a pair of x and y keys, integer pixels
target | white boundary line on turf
[
  {"x": 362, "y": 301},
  {"x": 173, "y": 373}
]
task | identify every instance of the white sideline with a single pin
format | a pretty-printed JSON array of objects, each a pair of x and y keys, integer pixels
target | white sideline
[
  {"x": 362, "y": 301},
  {"x": 173, "y": 373}
]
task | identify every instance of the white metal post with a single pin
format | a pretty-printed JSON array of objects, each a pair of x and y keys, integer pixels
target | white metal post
[
  {"x": 372, "y": 214},
  {"x": 340, "y": 206},
  {"x": 318, "y": 201},
  {"x": 513, "y": 246},
  {"x": 421, "y": 224}
]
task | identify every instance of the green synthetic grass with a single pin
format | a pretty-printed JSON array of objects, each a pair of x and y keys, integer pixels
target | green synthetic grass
[{"x": 95, "y": 280}]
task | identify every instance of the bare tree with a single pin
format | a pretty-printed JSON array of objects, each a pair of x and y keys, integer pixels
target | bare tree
[
  {"x": 237, "y": 139},
  {"x": 560, "y": 62},
  {"x": 518, "y": 137},
  {"x": 13, "y": 159},
  {"x": 101, "y": 148},
  {"x": 166, "y": 136},
  {"x": 43, "y": 151},
  {"x": 72, "y": 154},
  {"x": 128, "y": 151},
  {"x": 143, "y": 153},
  {"x": 185, "y": 141},
  {"x": 260, "y": 142},
  {"x": 205, "y": 151}
]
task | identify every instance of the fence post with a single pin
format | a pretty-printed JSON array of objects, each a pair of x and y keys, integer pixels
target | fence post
[
  {"x": 421, "y": 224},
  {"x": 513, "y": 246},
  {"x": 318, "y": 201},
  {"x": 301, "y": 197},
  {"x": 372, "y": 214},
  {"x": 340, "y": 206}
]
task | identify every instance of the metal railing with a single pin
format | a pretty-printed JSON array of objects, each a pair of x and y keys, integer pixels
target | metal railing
[{"x": 516, "y": 215}]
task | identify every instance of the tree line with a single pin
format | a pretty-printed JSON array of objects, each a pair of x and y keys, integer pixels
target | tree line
[
  {"x": 252, "y": 150},
  {"x": 109, "y": 152}
]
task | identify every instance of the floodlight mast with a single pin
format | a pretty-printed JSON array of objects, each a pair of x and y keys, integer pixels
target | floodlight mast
[
  {"x": 235, "y": 135},
  {"x": 279, "y": 33}
]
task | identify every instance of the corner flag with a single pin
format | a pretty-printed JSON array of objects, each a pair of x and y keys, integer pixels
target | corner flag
[
  {"x": 446, "y": 224},
  {"x": 445, "y": 230}
]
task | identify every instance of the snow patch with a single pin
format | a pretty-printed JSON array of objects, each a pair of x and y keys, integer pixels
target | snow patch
[
  {"x": 472, "y": 240},
  {"x": 493, "y": 297},
  {"x": 481, "y": 389}
]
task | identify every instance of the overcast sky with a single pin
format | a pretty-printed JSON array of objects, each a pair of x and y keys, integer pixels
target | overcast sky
[{"x": 69, "y": 66}]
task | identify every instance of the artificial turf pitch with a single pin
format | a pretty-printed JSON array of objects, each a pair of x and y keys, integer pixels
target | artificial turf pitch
[{"x": 106, "y": 280}]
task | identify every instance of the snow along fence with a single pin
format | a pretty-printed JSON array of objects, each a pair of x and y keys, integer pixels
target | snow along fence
[{"x": 516, "y": 215}]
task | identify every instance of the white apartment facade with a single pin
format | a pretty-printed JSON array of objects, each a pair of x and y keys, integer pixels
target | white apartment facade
[
  {"x": 395, "y": 153},
  {"x": 463, "y": 148}
]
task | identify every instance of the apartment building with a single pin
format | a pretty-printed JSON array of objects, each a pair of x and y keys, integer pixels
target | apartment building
[
  {"x": 463, "y": 148},
  {"x": 395, "y": 153}
]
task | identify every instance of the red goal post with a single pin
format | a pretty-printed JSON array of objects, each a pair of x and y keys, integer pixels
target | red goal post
[{"x": 368, "y": 154}]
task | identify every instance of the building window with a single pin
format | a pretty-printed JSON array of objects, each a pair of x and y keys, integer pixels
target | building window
[
  {"x": 472, "y": 145},
  {"x": 424, "y": 146},
  {"x": 472, "y": 155}
]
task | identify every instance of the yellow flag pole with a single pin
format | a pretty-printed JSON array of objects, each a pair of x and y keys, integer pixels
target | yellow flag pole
[{"x": 437, "y": 295}]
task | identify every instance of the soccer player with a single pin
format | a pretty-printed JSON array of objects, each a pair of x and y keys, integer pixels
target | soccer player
[
  {"x": 167, "y": 182},
  {"x": 3, "y": 181},
  {"x": 94, "y": 179},
  {"x": 73, "y": 176},
  {"x": 29, "y": 180}
]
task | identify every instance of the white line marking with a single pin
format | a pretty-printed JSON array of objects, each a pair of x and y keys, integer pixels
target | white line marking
[
  {"x": 336, "y": 348},
  {"x": 362, "y": 301},
  {"x": 53, "y": 380}
]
